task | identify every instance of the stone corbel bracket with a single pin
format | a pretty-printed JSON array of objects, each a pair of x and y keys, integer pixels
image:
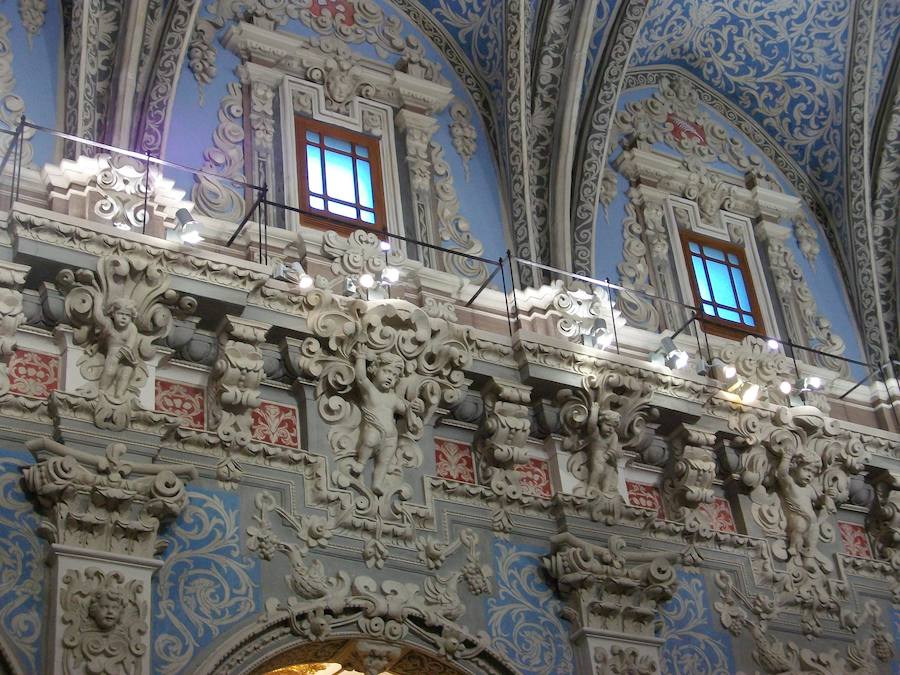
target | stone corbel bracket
[
  {"x": 105, "y": 504},
  {"x": 501, "y": 438}
]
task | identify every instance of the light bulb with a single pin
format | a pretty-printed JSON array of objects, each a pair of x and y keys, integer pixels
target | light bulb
[
  {"x": 366, "y": 280},
  {"x": 681, "y": 359},
  {"x": 604, "y": 340},
  {"x": 814, "y": 382},
  {"x": 191, "y": 237},
  {"x": 305, "y": 281},
  {"x": 772, "y": 344},
  {"x": 785, "y": 387},
  {"x": 385, "y": 245},
  {"x": 391, "y": 275},
  {"x": 750, "y": 394},
  {"x": 729, "y": 371}
]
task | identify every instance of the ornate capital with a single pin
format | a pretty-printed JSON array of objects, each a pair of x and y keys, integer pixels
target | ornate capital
[
  {"x": 610, "y": 588},
  {"x": 104, "y": 504}
]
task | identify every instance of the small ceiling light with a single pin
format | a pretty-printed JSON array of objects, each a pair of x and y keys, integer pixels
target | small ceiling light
[
  {"x": 750, "y": 393},
  {"x": 366, "y": 280},
  {"x": 669, "y": 354},
  {"x": 785, "y": 387},
  {"x": 390, "y": 275},
  {"x": 772, "y": 344},
  {"x": 385, "y": 245},
  {"x": 189, "y": 228}
]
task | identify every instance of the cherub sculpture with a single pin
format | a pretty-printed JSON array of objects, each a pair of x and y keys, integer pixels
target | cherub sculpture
[
  {"x": 802, "y": 503},
  {"x": 106, "y": 607},
  {"x": 604, "y": 451},
  {"x": 117, "y": 313},
  {"x": 381, "y": 409}
]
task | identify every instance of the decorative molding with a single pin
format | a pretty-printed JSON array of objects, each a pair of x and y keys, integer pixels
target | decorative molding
[
  {"x": 12, "y": 315},
  {"x": 12, "y": 106},
  {"x": 688, "y": 485},
  {"x": 501, "y": 437},
  {"x": 463, "y": 134}
]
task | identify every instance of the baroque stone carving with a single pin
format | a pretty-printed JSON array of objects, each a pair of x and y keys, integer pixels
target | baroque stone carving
[
  {"x": 689, "y": 480},
  {"x": 587, "y": 315},
  {"x": 462, "y": 131},
  {"x": 32, "y": 13},
  {"x": 807, "y": 239},
  {"x": 12, "y": 106},
  {"x": 104, "y": 503},
  {"x": 117, "y": 313},
  {"x": 500, "y": 440},
  {"x": 884, "y": 520},
  {"x": 105, "y": 623},
  {"x": 611, "y": 588},
  {"x": 623, "y": 660},
  {"x": 12, "y": 315},
  {"x": 607, "y": 414}
]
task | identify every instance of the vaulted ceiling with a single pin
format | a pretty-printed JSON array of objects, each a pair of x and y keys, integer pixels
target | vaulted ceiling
[{"x": 816, "y": 76}]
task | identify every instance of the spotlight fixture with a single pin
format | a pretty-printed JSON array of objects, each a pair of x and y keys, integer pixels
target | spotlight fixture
[
  {"x": 809, "y": 384},
  {"x": 719, "y": 370},
  {"x": 294, "y": 273},
  {"x": 385, "y": 245},
  {"x": 785, "y": 387},
  {"x": 670, "y": 355},
  {"x": 366, "y": 280},
  {"x": 598, "y": 335},
  {"x": 772, "y": 344},
  {"x": 188, "y": 226},
  {"x": 749, "y": 393},
  {"x": 390, "y": 275}
]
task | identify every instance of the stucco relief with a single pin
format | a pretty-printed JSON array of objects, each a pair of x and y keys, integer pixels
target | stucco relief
[
  {"x": 12, "y": 106},
  {"x": 105, "y": 623},
  {"x": 117, "y": 313},
  {"x": 12, "y": 315}
]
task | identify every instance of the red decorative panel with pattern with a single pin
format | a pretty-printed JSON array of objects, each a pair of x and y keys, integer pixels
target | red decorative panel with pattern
[
  {"x": 720, "y": 515},
  {"x": 645, "y": 496},
  {"x": 276, "y": 424},
  {"x": 682, "y": 128},
  {"x": 186, "y": 401},
  {"x": 535, "y": 478},
  {"x": 454, "y": 461},
  {"x": 33, "y": 373},
  {"x": 335, "y": 8},
  {"x": 855, "y": 540}
]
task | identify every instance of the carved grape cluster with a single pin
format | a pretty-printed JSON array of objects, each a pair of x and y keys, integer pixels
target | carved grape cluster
[{"x": 473, "y": 573}]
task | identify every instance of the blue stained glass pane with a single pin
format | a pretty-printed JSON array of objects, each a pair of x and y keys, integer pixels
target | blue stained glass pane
[
  {"x": 729, "y": 315},
  {"x": 314, "y": 169},
  {"x": 312, "y": 136},
  {"x": 364, "y": 183},
  {"x": 342, "y": 209},
  {"x": 733, "y": 259},
  {"x": 738, "y": 279},
  {"x": 700, "y": 275},
  {"x": 713, "y": 253},
  {"x": 339, "y": 175},
  {"x": 719, "y": 279},
  {"x": 695, "y": 248},
  {"x": 362, "y": 151},
  {"x": 317, "y": 203},
  {"x": 709, "y": 309},
  {"x": 368, "y": 216},
  {"x": 338, "y": 144},
  {"x": 748, "y": 320}
]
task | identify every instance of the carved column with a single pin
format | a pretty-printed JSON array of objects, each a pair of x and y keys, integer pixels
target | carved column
[
  {"x": 235, "y": 379},
  {"x": 614, "y": 596},
  {"x": 418, "y": 130},
  {"x": 501, "y": 438},
  {"x": 101, "y": 517},
  {"x": 12, "y": 278},
  {"x": 689, "y": 478},
  {"x": 260, "y": 95}
]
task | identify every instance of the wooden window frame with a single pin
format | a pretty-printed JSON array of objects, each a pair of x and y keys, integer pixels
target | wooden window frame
[
  {"x": 325, "y": 220},
  {"x": 716, "y": 325}
]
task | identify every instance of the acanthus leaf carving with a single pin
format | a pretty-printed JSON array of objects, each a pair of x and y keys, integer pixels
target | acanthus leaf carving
[
  {"x": 104, "y": 503},
  {"x": 117, "y": 314}
]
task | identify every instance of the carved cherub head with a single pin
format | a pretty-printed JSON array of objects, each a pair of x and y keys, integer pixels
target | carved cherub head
[
  {"x": 106, "y": 608},
  {"x": 608, "y": 422},
  {"x": 385, "y": 370},
  {"x": 121, "y": 311},
  {"x": 805, "y": 466}
]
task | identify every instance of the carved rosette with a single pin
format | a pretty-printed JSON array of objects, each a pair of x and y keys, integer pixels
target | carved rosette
[
  {"x": 689, "y": 479},
  {"x": 105, "y": 504},
  {"x": 608, "y": 414},
  {"x": 117, "y": 314},
  {"x": 500, "y": 440},
  {"x": 234, "y": 381}
]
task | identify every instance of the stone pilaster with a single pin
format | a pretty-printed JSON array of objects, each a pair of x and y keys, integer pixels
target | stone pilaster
[{"x": 102, "y": 517}]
